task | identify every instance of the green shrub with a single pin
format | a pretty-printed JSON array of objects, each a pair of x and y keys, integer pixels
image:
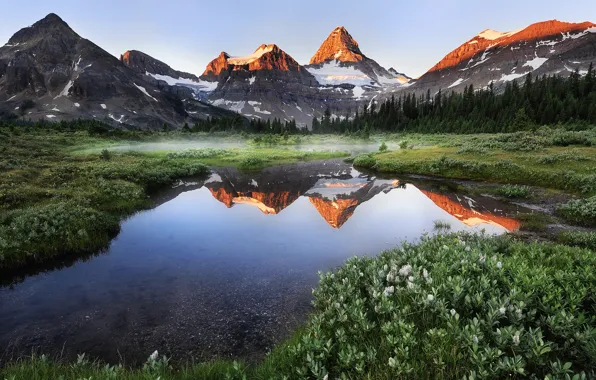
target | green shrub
[
  {"x": 54, "y": 229},
  {"x": 586, "y": 239},
  {"x": 105, "y": 155},
  {"x": 252, "y": 162},
  {"x": 366, "y": 161},
  {"x": 403, "y": 145},
  {"x": 514, "y": 191},
  {"x": 453, "y": 307},
  {"x": 200, "y": 153},
  {"x": 579, "y": 211},
  {"x": 383, "y": 148}
]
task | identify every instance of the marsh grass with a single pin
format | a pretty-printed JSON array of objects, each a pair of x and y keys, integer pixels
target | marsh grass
[
  {"x": 579, "y": 211},
  {"x": 533, "y": 221},
  {"x": 454, "y": 306},
  {"x": 441, "y": 225},
  {"x": 585, "y": 239},
  {"x": 514, "y": 191}
]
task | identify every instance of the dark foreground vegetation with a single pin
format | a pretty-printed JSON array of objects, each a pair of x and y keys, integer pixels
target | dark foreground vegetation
[{"x": 451, "y": 307}]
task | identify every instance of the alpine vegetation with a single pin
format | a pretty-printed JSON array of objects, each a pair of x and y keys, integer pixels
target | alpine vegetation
[{"x": 454, "y": 306}]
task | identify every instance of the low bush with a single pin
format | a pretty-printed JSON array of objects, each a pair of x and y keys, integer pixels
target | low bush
[
  {"x": 252, "y": 162},
  {"x": 366, "y": 161},
  {"x": 453, "y": 307},
  {"x": 200, "y": 153},
  {"x": 383, "y": 148},
  {"x": 514, "y": 191},
  {"x": 49, "y": 230},
  {"x": 586, "y": 239},
  {"x": 579, "y": 211}
]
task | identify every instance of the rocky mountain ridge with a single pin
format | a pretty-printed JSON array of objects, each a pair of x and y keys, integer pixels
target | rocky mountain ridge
[
  {"x": 65, "y": 76},
  {"x": 496, "y": 58}
]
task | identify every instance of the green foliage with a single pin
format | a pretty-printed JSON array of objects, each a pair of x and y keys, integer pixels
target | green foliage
[
  {"x": 252, "y": 162},
  {"x": 441, "y": 225},
  {"x": 366, "y": 161},
  {"x": 534, "y": 221},
  {"x": 403, "y": 145},
  {"x": 105, "y": 155},
  {"x": 48, "y": 230},
  {"x": 579, "y": 211},
  {"x": 200, "y": 153},
  {"x": 514, "y": 191},
  {"x": 586, "y": 239},
  {"x": 454, "y": 306},
  {"x": 383, "y": 148}
]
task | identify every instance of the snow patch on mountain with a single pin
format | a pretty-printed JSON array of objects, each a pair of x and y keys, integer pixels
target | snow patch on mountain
[
  {"x": 245, "y": 60},
  {"x": 333, "y": 74},
  {"x": 457, "y": 82},
  {"x": 536, "y": 63},
  {"x": 144, "y": 91},
  {"x": 492, "y": 35},
  {"x": 201, "y": 85},
  {"x": 358, "y": 91}
]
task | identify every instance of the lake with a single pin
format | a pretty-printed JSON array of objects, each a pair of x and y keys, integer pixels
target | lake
[{"x": 223, "y": 266}]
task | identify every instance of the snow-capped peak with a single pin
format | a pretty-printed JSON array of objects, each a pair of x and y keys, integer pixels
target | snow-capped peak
[{"x": 245, "y": 60}]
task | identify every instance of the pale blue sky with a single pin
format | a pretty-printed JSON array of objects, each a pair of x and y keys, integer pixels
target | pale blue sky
[{"x": 408, "y": 35}]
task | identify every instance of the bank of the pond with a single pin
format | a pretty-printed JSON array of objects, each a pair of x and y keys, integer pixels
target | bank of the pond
[
  {"x": 54, "y": 203},
  {"x": 450, "y": 307}
]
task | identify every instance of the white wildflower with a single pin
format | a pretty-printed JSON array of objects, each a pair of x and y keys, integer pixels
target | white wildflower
[
  {"x": 430, "y": 298},
  {"x": 326, "y": 377},
  {"x": 405, "y": 271},
  {"x": 453, "y": 312},
  {"x": 153, "y": 356},
  {"x": 516, "y": 338},
  {"x": 411, "y": 278},
  {"x": 475, "y": 339},
  {"x": 424, "y": 273},
  {"x": 502, "y": 310},
  {"x": 389, "y": 290},
  {"x": 385, "y": 267},
  {"x": 390, "y": 277},
  {"x": 499, "y": 265},
  {"x": 445, "y": 247},
  {"x": 482, "y": 259},
  {"x": 468, "y": 249},
  {"x": 410, "y": 285},
  {"x": 392, "y": 362}
]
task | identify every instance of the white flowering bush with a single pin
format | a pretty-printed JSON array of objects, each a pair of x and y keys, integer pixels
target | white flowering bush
[
  {"x": 49, "y": 229},
  {"x": 454, "y": 306}
]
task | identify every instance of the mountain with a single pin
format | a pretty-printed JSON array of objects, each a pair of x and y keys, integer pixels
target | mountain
[
  {"x": 340, "y": 60},
  {"x": 491, "y": 57},
  {"x": 68, "y": 77},
  {"x": 270, "y": 84}
]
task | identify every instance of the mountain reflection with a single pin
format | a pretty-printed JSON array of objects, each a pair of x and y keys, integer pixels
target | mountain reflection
[{"x": 335, "y": 190}]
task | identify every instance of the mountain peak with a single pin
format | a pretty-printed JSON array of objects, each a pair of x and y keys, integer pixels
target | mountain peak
[
  {"x": 340, "y": 46},
  {"x": 490, "y": 38},
  {"x": 51, "y": 25}
]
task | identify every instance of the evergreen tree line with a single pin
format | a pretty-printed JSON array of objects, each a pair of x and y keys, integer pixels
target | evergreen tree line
[{"x": 546, "y": 100}]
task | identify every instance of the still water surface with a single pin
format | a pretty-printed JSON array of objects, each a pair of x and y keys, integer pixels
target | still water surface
[{"x": 224, "y": 265}]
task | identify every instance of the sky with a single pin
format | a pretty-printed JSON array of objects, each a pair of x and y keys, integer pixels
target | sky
[{"x": 411, "y": 36}]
